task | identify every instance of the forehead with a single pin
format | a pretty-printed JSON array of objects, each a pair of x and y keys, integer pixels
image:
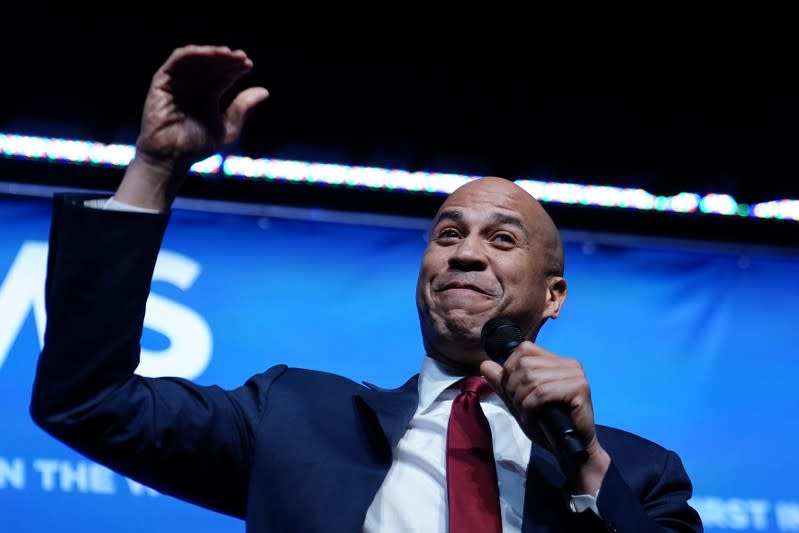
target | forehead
[{"x": 489, "y": 197}]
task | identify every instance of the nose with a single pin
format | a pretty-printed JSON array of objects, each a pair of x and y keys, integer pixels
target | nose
[{"x": 468, "y": 254}]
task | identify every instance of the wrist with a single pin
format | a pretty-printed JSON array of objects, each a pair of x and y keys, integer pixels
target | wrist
[
  {"x": 588, "y": 477},
  {"x": 151, "y": 183}
]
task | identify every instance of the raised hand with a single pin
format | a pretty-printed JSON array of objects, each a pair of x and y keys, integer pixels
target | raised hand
[{"x": 182, "y": 120}]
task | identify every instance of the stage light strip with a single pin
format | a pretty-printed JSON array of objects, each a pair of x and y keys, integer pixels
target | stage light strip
[
  {"x": 83, "y": 152},
  {"x": 238, "y": 167},
  {"x": 342, "y": 175}
]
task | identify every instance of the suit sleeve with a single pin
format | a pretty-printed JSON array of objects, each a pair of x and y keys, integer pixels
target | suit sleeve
[
  {"x": 193, "y": 442},
  {"x": 657, "y": 504}
]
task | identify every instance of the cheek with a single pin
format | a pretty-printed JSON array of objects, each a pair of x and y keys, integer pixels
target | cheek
[
  {"x": 423, "y": 281},
  {"x": 522, "y": 286},
  {"x": 430, "y": 265},
  {"x": 421, "y": 298}
]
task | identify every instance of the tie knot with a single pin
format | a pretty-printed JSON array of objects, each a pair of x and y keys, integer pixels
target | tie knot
[{"x": 476, "y": 384}]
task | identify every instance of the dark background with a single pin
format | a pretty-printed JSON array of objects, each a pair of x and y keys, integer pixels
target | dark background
[{"x": 661, "y": 114}]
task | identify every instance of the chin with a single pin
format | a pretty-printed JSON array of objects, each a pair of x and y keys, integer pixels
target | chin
[
  {"x": 462, "y": 328},
  {"x": 456, "y": 329}
]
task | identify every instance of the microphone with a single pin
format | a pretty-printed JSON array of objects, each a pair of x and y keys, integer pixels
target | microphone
[{"x": 499, "y": 338}]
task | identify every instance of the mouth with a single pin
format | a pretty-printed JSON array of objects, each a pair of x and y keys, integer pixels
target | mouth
[{"x": 461, "y": 285}]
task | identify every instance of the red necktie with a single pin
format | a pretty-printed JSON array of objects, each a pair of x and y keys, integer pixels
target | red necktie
[{"x": 472, "y": 490}]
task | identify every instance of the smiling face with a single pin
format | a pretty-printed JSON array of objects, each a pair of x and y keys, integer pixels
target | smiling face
[{"x": 493, "y": 251}]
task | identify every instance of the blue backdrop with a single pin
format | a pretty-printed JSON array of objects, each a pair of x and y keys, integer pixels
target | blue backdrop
[{"x": 692, "y": 347}]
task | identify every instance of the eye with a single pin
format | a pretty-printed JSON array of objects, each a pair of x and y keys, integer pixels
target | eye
[
  {"x": 503, "y": 238},
  {"x": 447, "y": 234}
]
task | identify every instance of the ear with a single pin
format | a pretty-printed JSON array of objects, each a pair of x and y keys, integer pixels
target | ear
[{"x": 556, "y": 296}]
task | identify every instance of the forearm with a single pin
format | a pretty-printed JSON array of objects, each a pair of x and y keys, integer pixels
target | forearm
[{"x": 96, "y": 291}]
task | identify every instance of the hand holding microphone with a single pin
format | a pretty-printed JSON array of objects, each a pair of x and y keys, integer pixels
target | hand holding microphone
[{"x": 542, "y": 388}]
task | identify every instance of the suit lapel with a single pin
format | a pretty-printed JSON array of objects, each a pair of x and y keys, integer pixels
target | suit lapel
[
  {"x": 381, "y": 417},
  {"x": 546, "y": 503},
  {"x": 391, "y": 409}
]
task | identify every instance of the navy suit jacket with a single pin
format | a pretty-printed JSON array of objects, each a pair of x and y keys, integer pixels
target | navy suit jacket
[{"x": 290, "y": 449}]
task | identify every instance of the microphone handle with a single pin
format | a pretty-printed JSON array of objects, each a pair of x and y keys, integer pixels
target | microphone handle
[
  {"x": 557, "y": 424},
  {"x": 555, "y": 421}
]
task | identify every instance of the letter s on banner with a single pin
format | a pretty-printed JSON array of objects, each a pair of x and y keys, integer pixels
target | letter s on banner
[
  {"x": 189, "y": 351},
  {"x": 21, "y": 291}
]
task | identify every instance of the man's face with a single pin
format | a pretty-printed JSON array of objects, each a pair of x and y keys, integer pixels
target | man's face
[{"x": 485, "y": 258}]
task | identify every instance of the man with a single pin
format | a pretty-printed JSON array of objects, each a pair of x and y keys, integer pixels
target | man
[{"x": 295, "y": 449}]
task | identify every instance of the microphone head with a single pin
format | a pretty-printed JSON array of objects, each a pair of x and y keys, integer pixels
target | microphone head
[{"x": 499, "y": 337}]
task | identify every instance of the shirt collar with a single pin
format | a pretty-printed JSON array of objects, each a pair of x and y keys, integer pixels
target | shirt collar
[{"x": 434, "y": 378}]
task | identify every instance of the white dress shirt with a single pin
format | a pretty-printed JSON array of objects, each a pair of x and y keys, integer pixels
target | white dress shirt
[{"x": 413, "y": 497}]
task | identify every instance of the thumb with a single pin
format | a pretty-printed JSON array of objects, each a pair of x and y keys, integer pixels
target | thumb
[
  {"x": 492, "y": 371},
  {"x": 239, "y": 109}
]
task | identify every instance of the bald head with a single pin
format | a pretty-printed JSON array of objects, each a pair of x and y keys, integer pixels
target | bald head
[{"x": 493, "y": 251}]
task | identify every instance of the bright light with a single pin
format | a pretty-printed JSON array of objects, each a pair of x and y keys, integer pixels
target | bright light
[{"x": 77, "y": 152}]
